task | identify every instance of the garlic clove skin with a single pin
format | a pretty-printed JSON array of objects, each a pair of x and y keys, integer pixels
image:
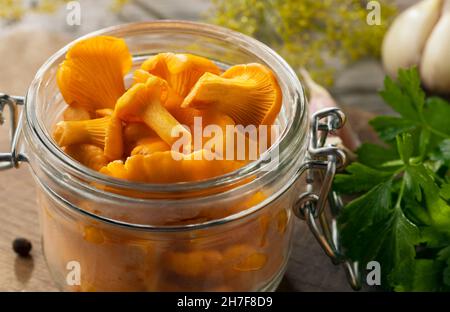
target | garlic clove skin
[
  {"x": 406, "y": 38},
  {"x": 435, "y": 65}
]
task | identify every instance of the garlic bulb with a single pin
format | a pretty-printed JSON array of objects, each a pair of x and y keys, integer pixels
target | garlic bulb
[
  {"x": 435, "y": 65},
  {"x": 420, "y": 36}
]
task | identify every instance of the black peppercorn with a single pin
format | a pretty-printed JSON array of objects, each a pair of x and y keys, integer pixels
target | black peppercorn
[{"x": 22, "y": 246}]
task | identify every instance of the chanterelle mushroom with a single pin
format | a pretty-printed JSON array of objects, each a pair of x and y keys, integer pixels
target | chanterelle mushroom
[
  {"x": 249, "y": 94},
  {"x": 143, "y": 102},
  {"x": 92, "y": 74}
]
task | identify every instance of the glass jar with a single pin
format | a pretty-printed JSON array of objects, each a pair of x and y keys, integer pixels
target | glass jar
[{"x": 230, "y": 233}]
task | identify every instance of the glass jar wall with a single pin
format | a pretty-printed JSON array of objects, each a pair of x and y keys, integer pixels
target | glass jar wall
[{"x": 228, "y": 233}]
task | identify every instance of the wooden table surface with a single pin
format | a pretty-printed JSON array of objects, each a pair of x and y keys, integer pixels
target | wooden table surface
[{"x": 28, "y": 47}]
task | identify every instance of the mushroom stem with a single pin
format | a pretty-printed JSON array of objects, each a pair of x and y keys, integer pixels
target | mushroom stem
[
  {"x": 81, "y": 131},
  {"x": 144, "y": 102},
  {"x": 104, "y": 132},
  {"x": 157, "y": 117}
]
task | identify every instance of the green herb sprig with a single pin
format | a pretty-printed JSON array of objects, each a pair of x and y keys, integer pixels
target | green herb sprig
[{"x": 402, "y": 215}]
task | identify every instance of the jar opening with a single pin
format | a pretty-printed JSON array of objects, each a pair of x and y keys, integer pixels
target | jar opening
[{"x": 294, "y": 107}]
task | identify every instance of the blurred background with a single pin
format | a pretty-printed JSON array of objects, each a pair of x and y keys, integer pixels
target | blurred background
[{"x": 331, "y": 38}]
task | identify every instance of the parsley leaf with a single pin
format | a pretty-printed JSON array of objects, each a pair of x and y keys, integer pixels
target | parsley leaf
[
  {"x": 389, "y": 240},
  {"x": 445, "y": 191},
  {"x": 416, "y": 113},
  {"x": 404, "y": 191},
  {"x": 436, "y": 115},
  {"x": 418, "y": 275},
  {"x": 405, "y": 147},
  {"x": 375, "y": 156},
  {"x": 400, "y": 95},
  {"x": 359, "y": 178},
  {"x": 420, "y": 181},
  {"x": 442, "y": 153},
  {"x": 388, "y": 127},
  {"x": 444, "y": 255},
  {"x": 361, "y": 213}
]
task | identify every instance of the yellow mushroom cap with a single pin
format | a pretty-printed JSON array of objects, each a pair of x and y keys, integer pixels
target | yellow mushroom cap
[
  {"x": 184, "y": 116},
  {"x": 89, "y": 155},
  {"x": 104, "y": 112},
  {"x": 76, "y": 113},
  {"x": 141, "y": 76},
  {"x": 150, "y": 145},
  {"x": 249, "y": 94},
  {"x": 170, "y": 167},
  {"x": 181, "y": 71},
  {"x": 92, "y": 74},
  {"x": 115, "y": 169},
  {"x": 136, "y": 131}
]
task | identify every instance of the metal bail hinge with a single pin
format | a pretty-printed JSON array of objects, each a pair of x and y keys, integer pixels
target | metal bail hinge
[
  {"x": 321, "y": 168},
  {"x": 12, "y": 158}
]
